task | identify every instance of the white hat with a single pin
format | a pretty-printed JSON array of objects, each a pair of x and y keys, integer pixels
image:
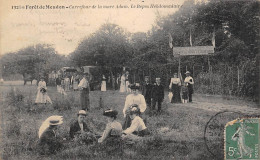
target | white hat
[
  {"x": 157, "y": 78},
  {"x": 82, "y": 112},
  {"x": 46, "y": 123},
  {"x": 187, "y": 72}
]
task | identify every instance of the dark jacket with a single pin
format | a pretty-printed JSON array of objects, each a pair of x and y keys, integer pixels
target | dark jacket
[
  {"x": 147, "y": 90},
  {"x": 48, "y": 142},
  {"x": 75, "y": 128},
  {"x": 158, "y": 92}
]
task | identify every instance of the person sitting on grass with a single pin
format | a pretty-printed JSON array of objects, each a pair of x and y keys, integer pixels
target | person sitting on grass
[
  {"x": 113, "y": 129},
  {"x": 49, "y": 143},
  {"x": 79, "y": 130},
  {"x": 137, "y": 127},
  {"x": 134, "y": 98}
]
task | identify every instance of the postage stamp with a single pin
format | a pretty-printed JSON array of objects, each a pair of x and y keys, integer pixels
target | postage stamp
[{"x": 242, "y": 139}]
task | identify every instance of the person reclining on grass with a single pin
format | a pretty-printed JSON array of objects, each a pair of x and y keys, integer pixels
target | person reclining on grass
[
  {"x": 49, "y": 143},
  {"x": 137, "y": 127},
  {"x": 113, "y": 129},
  {"x": 79, "y": 130}
]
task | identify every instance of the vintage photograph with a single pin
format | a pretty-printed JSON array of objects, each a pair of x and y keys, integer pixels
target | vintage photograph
[{"x": 129, "y": 79}]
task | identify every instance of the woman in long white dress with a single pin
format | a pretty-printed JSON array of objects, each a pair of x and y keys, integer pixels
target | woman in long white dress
[
  {"x": 42, "y": 96},
  {"x": 122, "y": 85},
  {"x": 103, "y": 84}
]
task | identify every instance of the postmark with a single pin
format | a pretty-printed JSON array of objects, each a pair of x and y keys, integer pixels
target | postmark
[
  {"x": 214, "y": 132},
  {"x": 242, "y": 139}
]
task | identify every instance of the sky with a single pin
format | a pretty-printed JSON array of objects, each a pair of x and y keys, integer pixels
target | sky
[{"x": 65, "y": 28}]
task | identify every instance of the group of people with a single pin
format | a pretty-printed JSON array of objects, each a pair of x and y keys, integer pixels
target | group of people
[
  {"x": 80, "y": 132},
  {"x": 134, "y": 125},
  {"x": 181, "y": 92}
]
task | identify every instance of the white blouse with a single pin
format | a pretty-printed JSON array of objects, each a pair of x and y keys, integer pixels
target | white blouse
[
  {"x": 136, "y": 125},
  {"x": 175, "y": 81},
  {"x": 135, "y": 99},
  {"x": 42, "y": 84}
]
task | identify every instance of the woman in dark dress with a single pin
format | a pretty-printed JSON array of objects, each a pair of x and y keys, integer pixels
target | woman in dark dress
[{"x": 175, "y": 87}]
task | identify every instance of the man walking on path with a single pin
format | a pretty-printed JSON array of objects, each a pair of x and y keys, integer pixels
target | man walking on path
[{"x": 190, "y": 82}]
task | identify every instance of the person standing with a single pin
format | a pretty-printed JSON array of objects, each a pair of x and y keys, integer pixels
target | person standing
[
  {"x": 157, "y": 94},
  {"x": 175, "y": 85},
  {"x": 190, "y": 82},
  {"x": 103, "y": 84},
  {"x": 133, "y": 99},
  {"x": 67, "y": 83},
  {"x": 84, "y": 92},
  {"x": 127, "y": 82},
  {"x": 42, "y": 96},
  {"x": 59, "y": 87},
  {"x": 75, "y": 81},
  {"x": 185, "y": 92},
  {"x": 123, "y": 84},
  {"x": 147, "y": 91}
]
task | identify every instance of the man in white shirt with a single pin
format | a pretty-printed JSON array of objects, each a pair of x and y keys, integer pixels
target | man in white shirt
[
  {"x": 84, "y": 92},
  {"x": 190, "y": 82}
]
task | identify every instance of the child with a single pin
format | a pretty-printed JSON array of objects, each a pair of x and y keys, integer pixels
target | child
[{"x": 185, "y": 92}]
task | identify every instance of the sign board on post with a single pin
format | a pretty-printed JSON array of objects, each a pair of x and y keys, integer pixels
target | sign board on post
[{"x": 193, "y": 51}]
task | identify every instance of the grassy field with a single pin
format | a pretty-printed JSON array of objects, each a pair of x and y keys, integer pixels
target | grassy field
[{"x": 176, "y": 133}]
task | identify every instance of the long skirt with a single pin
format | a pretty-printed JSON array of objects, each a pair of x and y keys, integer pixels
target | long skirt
[
  {"x": 176, "y": 98},
  {"x": 122, "y": 87},
  {"x": 42, "y": 97},
  {"x": 84, "y": 99},
  {"x": 103, "y": 86},
  {"x": 126, "y": 86},
  {"x": 75, "y": 85}
]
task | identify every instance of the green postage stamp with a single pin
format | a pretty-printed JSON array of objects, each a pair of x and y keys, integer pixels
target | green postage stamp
[{"x": 242, "y": 139}]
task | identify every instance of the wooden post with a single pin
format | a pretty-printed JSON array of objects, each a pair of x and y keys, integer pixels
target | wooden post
[{"x": 193, "y": 72}]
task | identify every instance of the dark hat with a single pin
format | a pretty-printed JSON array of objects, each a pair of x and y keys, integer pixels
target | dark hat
[
  {"x": 110, "y": 113},
  {"x": 55, "y": 121},
  {"x": 134, "y": 86}
]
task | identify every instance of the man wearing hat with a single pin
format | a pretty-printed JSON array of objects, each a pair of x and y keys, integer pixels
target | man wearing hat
[
  {"x": 49, "y": 143},
  {"x": 147, "y": 90},
  {"x": 84, "y": 92},
  {"x": 157, "y": 94},
  {"x": 190, "y": 82},
  {"x": 78, "y": 127},
  {"x": 133, "y": 98}
]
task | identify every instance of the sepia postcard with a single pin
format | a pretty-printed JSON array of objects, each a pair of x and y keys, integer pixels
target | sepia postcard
[{"x": 129, "y": 79}]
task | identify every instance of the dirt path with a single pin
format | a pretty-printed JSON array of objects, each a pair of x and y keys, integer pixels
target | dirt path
[{"x": 217, "y": 107}]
